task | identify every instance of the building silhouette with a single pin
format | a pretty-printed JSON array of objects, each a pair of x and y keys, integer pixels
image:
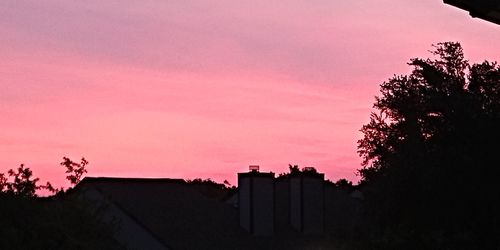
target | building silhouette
[
  {"x": 298, "y": 211},
  {"x": 488, "y": 10}
]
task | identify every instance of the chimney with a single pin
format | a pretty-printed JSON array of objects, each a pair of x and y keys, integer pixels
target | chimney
[
  {"x": 307, "y": 209},
  {"x": 256, "y": 201}
]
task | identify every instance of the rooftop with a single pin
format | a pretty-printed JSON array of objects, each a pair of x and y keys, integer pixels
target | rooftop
[
  {"x": 181, "y": 215},
  {"x": 488, "y": 10}
]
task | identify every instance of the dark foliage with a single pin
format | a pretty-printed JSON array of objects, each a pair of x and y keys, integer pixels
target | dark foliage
[
  {"x": 344, "y": 184},
  {"x": 211, "y": 188},
  {"x": 74, "y": 170},
  {"x": 22, "y": 185},
  {"x": 296, "y": 170},
  {"x": 43, "y": 223},
  {"x": 20, "y": 182},
  {"x": 57, "y": 222},
  {"x": 206, "y": 182},
  {"x": 431, "y": 155}
]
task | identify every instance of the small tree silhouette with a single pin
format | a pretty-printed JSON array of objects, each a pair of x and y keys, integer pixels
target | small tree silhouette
[
  {"x": 74, "y": 170},
  {"x": 293, "y": 168},
  {"x": 343, "y": 183},
  {"x": 3, "y": 182},
  {"x": 31, "y": 222},
  {"x": 296, "y": 170},
  {"x": 22, "y": 185}
]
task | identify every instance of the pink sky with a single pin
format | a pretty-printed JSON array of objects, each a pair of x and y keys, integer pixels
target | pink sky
[{"x": 197, "y": 88}]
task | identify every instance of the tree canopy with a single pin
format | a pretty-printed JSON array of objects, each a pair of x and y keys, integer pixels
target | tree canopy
[
  {"x": 74, "y": 170},
  {"x": 61, "y": 221},
  {"x": 430, "y": 150}
]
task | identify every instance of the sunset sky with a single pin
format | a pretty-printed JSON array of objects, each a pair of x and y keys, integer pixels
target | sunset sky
[{"x": 198, "y": 88}]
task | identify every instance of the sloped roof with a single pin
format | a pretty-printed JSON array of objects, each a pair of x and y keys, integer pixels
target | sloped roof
[
  {"x": 175, "y": 213},
  {"x": 185, "y": 216},
  {"x": 488, "y": 10},
  {"x": 181, "y": 217}
]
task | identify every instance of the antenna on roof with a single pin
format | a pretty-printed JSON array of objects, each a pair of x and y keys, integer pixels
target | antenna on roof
[{"x": 253, "y": 168}]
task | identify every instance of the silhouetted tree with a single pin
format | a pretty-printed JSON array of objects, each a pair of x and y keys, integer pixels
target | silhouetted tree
[
  {"x": 344, "y": 183},
  {"x": 74, "y": 170},
  {"x": 3, "y": 182},
  {"x": 430, "y": 152},
  {"x": 23, "y": 184},
  {"x": 20, "y": 183},
  {"x": 295, "y": 169},
  {"x": 49, "y": 223},
  {"x": 210, "y": 188},
  {"x": 57, "y": 222}
]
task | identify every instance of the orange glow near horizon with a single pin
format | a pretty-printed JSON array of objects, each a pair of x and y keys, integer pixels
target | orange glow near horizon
[{"x": 202, "y": 89}]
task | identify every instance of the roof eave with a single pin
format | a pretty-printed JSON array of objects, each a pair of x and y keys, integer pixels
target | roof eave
[{"x": 476, "y": 10}]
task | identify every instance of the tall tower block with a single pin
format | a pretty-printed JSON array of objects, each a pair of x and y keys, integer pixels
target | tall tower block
[
  {"x": 256, "y": 201},
  {"x": 307, "y": 203}
]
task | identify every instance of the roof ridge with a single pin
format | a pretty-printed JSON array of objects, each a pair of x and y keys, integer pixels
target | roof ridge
[{"x": 133, "y": 179}]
